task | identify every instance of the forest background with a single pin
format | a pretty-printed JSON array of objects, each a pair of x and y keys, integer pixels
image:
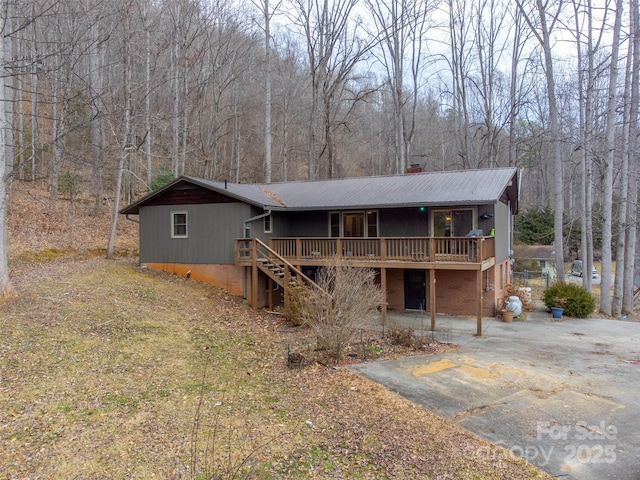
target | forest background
[{"x": 108, "y": 97}]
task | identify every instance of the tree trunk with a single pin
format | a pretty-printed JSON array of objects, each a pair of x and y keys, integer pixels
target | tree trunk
[
  {"x": 632, "y": 193},
  {"x": 147, "y": 108},
  {"x": 5, "y": 284},
  {"x": 554, "y": 133},
  {"x": 607, "y": 197},
  {"x": 267, "y": 93},
  {"x": 621, "y": 217},
  {"x": 96, "y": 82},
  {"x": 125, "y": 146}
]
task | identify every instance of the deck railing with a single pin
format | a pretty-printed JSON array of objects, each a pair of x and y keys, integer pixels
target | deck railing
[{"x": 418, "y": 249}]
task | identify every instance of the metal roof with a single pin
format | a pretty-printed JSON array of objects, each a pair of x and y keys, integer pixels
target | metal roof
[{"x": 419, "y": 189}]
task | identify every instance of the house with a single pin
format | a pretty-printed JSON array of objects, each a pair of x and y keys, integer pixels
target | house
[
  {"x": 543, "y": 255},
  {"x": 439, "y": 241}
]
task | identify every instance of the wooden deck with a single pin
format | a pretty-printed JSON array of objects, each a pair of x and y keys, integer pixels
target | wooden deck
[
  {"x": 282, "y": 258},
  {"x": 457, "y": 253}
]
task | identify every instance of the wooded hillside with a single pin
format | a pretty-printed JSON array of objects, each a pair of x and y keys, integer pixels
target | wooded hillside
[{"x": 117, "y": 93}]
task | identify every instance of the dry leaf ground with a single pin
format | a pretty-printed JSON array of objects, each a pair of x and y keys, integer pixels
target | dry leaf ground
[{"x": 108, "y": 370}]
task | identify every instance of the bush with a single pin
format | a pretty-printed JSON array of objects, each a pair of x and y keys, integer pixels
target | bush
[
  {"x": 163, "y": 177},
  {"x": 574, "y": 298},
  {"x": 347, "y": 296},
  {"x": 69, "y": 185}
]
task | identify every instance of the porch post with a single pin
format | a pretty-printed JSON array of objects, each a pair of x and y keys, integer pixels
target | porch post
[
  {"x": 383, "y": 287},
  {"x": 479, "y": 302},
  {"x": 285, "y": 289},
  {"x": 254, "y": 284},
  {"x": 270, "y": 281},
  {"x": 432, "y": 297}
]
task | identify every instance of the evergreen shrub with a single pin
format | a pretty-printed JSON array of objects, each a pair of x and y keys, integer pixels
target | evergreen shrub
[{"x": 573, "y": 298}]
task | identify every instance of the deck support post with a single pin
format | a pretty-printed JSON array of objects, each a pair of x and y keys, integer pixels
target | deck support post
[
  {"x": 383, "y": 287},
  {"x": 432, "y": 297},
  {"x": 479, "y": 303}
]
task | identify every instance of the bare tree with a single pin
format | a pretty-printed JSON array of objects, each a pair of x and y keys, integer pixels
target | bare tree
[
  {"x": 491, "y": 45},
  {"x": 402, "y": 25},
  {"x": 588, "y": 43},
  {"x": 267, "y": 14},
  {"x": 459, "y": 63},
  {"x": 516, "y": 87},
  {"x": 125, "y": 143},
  {"x": 333, "y": 50},
  {"x": 607, "y": 200},
  {"x": 542, "y": 20},
  {"x": 5, "y": 285},
  {"x": 632, "y": 152}
]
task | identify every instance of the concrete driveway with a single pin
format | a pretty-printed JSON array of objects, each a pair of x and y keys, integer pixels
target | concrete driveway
[{"x": 562, "y": 395}]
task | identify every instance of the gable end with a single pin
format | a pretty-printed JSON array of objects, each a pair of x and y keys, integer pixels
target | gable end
[{"x": 187, "y": 194}]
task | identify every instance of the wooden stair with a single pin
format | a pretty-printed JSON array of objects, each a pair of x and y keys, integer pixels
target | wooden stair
[{"x": 278, "y": 269}]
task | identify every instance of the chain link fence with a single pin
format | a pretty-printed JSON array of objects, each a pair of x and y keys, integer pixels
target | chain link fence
[{"x": 537, "y": 281}]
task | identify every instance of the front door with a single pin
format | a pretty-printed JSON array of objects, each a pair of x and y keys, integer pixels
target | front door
[{"x": 415, "y": 289}]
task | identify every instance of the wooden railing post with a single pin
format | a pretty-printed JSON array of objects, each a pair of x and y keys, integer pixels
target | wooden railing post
[
  {"x": 254, "y": 274},
  {"x": 383, "y": 249}
]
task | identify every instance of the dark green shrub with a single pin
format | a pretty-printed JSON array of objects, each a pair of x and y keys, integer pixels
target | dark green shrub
[
  {"x": 69, "y": 184},
  {"x": 162, "y": 177},
  {"x": 575, "y": 300}
]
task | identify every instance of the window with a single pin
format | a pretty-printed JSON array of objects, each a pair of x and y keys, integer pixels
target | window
[
  {"x": 178, "y": 224},
  {"x": 353, "y": 224},
  {"x": 452, "y": 223},
  {"x": 334, "y": 224},
  {"x": 372, "y": 224},
  {"x": 267, "y": 224}
]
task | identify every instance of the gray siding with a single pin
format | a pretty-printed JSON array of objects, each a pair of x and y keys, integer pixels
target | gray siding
[
  {"x": 212, "y": 229},
  {"x": 403, "y": 222},
  {"x": 304, "y": 224},
  {"x": 396, "y": 222},
  {"x": 503, "y": 231}
]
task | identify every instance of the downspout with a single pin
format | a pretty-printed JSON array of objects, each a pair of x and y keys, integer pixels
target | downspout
[
  {"x": 131, "y": 219},
  {"x": 246, "y": 233},
  {"x": 245, "y": 226}
]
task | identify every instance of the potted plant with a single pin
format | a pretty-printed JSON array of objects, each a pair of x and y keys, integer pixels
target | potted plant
[
  {"x": 557, "y": 307},
  {"x": 507, "y": 312}
]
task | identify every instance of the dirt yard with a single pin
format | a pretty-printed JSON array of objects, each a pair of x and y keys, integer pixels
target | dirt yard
[{"x": 108, "y": 370}]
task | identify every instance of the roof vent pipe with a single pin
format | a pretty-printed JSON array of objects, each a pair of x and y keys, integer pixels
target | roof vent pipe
[{"x": 225, "y": 184}]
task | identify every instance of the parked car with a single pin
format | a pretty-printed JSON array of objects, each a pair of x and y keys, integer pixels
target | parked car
[{"x": 576, "y": 269}]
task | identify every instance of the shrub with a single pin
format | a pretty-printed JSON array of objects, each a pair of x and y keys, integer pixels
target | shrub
[
  {"x": 162, "y": 177},
  {"x": 297, "y": 296},
  {"x": 69, "y": 185},
  {"x": 400, "y": 336},
  {"x": 352, "y": 295},
  {"x": 576, "y": 300}
]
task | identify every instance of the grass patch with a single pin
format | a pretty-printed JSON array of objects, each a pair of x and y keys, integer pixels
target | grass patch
[{"x": 110, "y": 370}]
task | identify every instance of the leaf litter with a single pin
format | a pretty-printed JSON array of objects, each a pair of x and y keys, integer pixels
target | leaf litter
[
  {"x": 109, "y": 370},
  {"x": 105, "y": 364}
]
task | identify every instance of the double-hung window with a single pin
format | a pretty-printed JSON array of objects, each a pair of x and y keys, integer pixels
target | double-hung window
[{"x": 179, "y": 225}]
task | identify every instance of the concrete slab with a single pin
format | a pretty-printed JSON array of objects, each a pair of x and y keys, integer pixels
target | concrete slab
[{"x": 562, "y": 395}]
